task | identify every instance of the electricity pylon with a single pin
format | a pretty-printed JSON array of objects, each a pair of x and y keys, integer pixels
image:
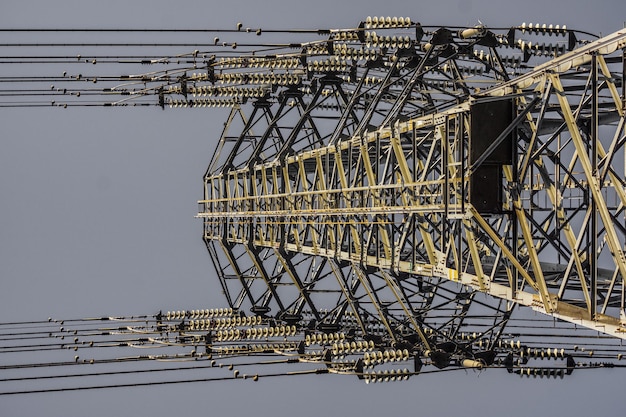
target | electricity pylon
[{"x": 400, "y": 193}]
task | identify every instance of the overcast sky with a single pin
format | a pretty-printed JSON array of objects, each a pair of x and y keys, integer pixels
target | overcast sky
[{"x": 97, "y": 218}]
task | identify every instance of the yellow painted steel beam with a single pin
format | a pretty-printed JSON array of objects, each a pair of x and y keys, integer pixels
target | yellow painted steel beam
[
  {"x": 594, "y": 186},
  {"x": 539, "y": 279},
  {"x": 346, "y": 191}
]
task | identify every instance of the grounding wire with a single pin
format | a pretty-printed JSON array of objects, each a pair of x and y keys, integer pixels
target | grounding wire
[
  {"x": 171, "y": 382},
  {"x": 213, "y": 365}
]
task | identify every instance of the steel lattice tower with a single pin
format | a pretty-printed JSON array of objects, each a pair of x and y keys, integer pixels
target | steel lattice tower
[
  {"x": 386, "y": 202},
  {"x": 400, "y": 190},
  {"x": 401, "y": 193}
]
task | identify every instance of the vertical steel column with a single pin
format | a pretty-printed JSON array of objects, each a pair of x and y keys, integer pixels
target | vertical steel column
[{"x": 593, "y": 244}]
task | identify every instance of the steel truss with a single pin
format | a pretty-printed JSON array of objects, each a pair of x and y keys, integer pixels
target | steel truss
[
  {"x": 391, "y": 195},
  {"x": 385, "y": 210}
]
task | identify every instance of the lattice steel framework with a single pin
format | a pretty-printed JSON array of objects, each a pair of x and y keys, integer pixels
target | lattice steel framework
[
  {"x": 398, "y": 193},
  {"x": 382, "y": 198}
]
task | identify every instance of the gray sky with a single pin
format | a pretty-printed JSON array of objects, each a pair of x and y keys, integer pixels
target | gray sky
[{"x": 98, "y": 213}]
